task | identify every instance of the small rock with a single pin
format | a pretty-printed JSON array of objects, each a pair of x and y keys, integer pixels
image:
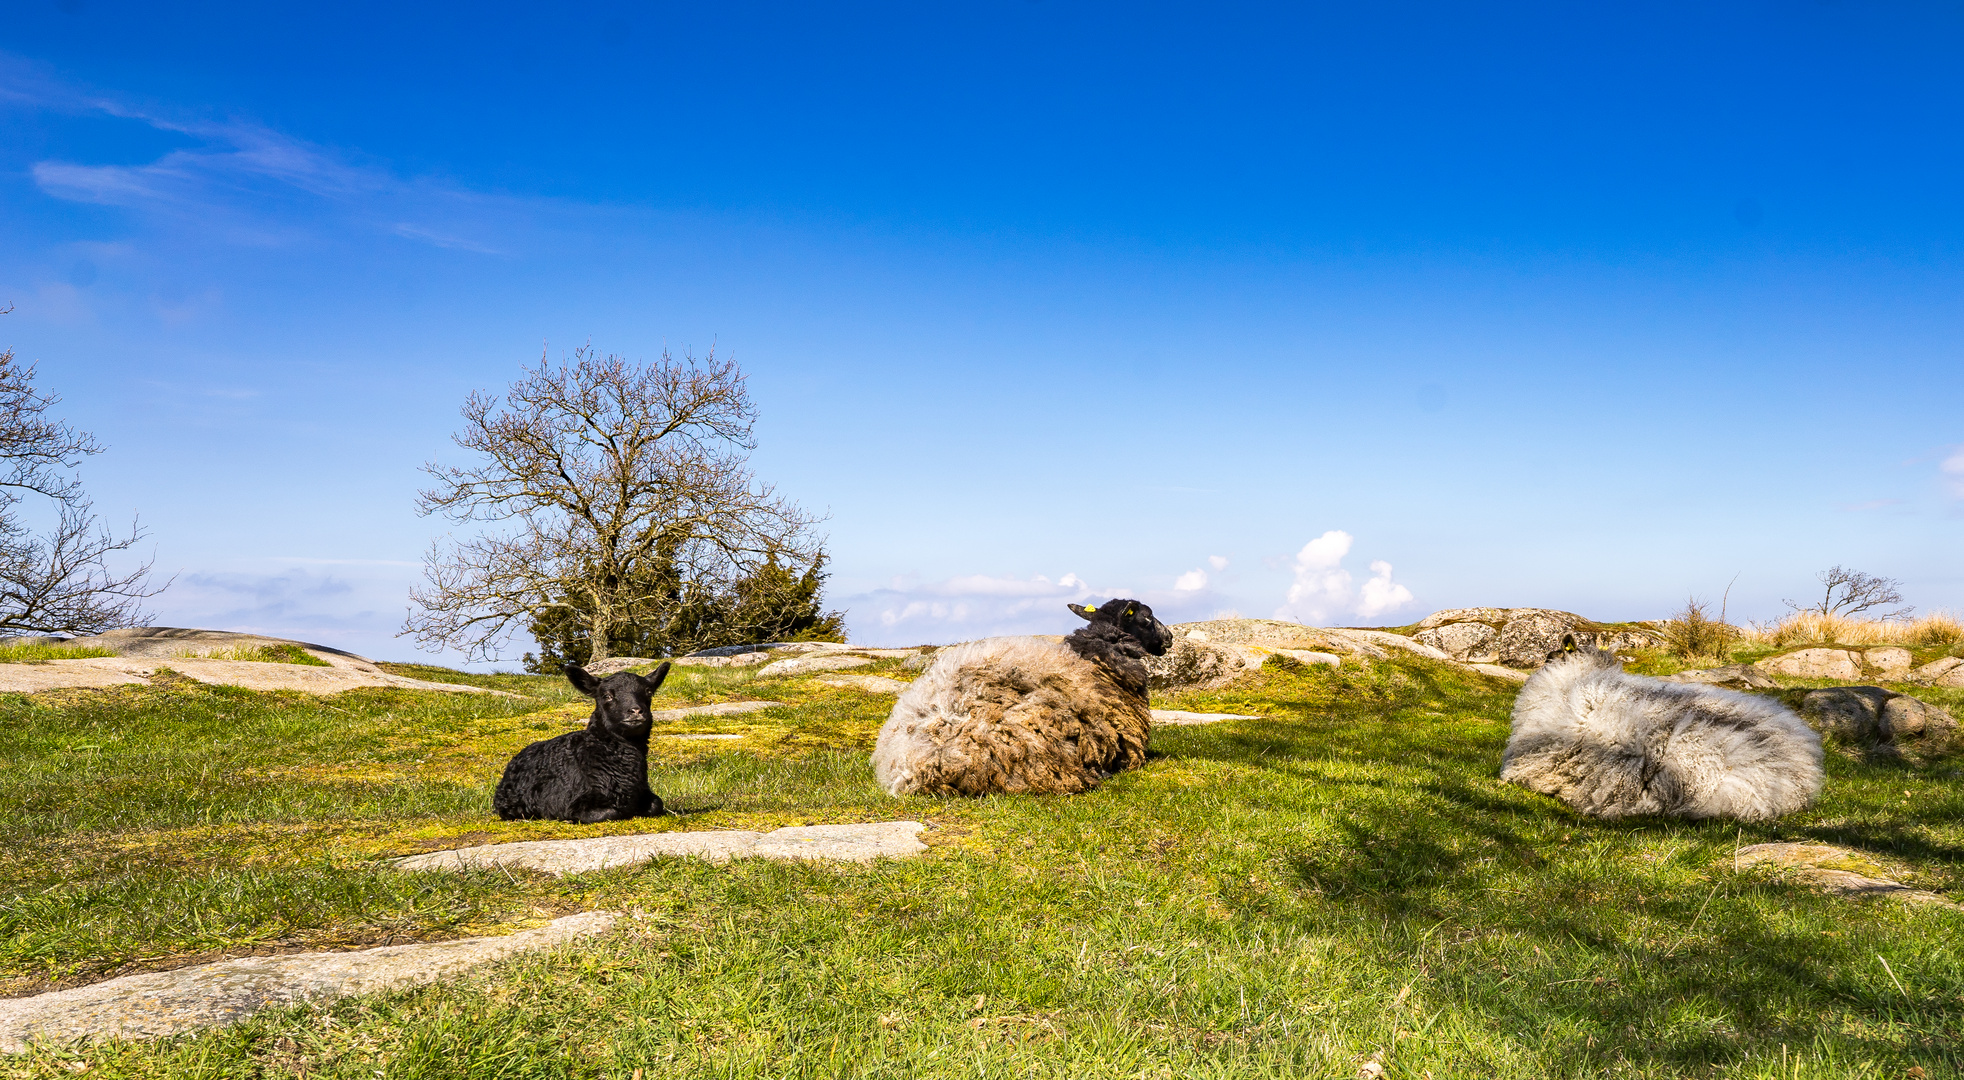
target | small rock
[
  {"x": 1814, "y": 664},
  {"x": 1835, "y": 869},
  {"x": 1733, "y": 676},
  {"x": 872, "y": 684},
  {"x": 1176, "y": 718},
  {"x": 1890, "y": 663},
  {"x": 612, "y": 664},
  {"x": 918, "y": 662},
  {"x": 1308, "y": 656},
  {"x": 805, "y": 665}
]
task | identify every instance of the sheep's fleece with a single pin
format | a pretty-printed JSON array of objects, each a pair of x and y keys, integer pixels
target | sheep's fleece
[
  {"x": 1021, "y": 715},
  {"x": 1614, "y": 745}
]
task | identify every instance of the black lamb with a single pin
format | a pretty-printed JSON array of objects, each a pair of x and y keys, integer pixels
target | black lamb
[{"x": 599, "y": 774}]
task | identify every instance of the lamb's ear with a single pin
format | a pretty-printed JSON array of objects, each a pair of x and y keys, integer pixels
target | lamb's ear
[
  {"x": 584, "y": 683},
  {"x": 655, "y": 677},
  {"x": 1085, "y": 613}
]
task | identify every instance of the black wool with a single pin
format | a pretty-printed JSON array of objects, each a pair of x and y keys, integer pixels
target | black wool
[
  {"x": 599, "y": 774},
  {"x": 1118, "y": 636}
]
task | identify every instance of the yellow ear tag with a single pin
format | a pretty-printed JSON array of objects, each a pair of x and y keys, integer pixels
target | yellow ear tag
[{"x": 1128, "y": 613}]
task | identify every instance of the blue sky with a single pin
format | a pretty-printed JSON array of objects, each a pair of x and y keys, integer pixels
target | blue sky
[{"x": 1344, "y": 314}]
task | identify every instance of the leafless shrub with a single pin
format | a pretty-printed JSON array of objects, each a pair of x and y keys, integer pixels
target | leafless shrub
[{"x": 1692, "y": 632}]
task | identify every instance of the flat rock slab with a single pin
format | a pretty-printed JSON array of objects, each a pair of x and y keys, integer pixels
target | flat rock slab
[
  {"x": 170, "y": 1002},
  {"x": 1177, "y": 718},
  {"x": 1500, "y": 672},
  {"x": 848, "y": 843},
  {"x": 872, "y": 684},
  {"x": 805, "y": 665},
  {"x": 101, "y": 671},
  {"x": 721, "y": 708},
  {"x": 1733, "y": 676},
  {"x": 1837, "y": 870}
]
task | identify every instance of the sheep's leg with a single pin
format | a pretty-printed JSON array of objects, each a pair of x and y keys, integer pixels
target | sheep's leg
[{"x": 595, "y": 817}]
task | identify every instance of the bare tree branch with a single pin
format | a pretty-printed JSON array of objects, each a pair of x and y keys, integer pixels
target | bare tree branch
[
  {"x": 1850, "y": 592},
  {"x": 60, "y": 582},
  {"x": 618, "y": 482}
]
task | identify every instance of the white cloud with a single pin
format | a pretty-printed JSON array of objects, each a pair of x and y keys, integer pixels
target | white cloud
[
  {"x": 1381, "y": 594},
  {"x": 1322, "y": 587},
  {"x": 1191, "y": 581},
  {"x": 1218, "y": 562},
  {"x": 1953, "y": 470}
]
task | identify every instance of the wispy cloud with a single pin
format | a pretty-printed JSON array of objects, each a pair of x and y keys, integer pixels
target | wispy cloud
[
  {"x": 970, "y": 606},
  {"x": 253, "y": 184},
  {"x": 1322, "y": 588}
]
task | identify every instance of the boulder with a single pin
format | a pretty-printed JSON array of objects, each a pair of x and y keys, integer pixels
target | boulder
[
  {"x": 1468, "y": 641},
  {"x": 1732, "y": 677},
  {"x": 1519, "y": 637},
  {"x": 1889, "y": 663},
  {"x": 1814, "y": 664},
  {"x": 1491, "y": 615},
  {"x": 1201, "y": 664},
  {"x": 1943, "y": 671},
  {"x": 1881, "y": 721}
]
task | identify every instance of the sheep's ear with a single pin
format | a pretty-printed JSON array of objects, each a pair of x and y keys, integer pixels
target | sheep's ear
[
  {"x": 1086, "y": 613},
  {"x": 583, "y": 682},
  {"x": 655, "y": 677},
  {"x": 1568, "y": 642}
]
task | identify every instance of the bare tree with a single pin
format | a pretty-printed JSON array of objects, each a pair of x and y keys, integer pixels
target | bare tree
[
  {"x": 622, "y": 484},
  {"x": 1849, "y": 592},
  {"x": 60, "y": 581}
]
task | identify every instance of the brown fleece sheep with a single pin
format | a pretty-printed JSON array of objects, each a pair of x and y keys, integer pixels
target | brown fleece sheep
[{"x": 1026, "y": 715}]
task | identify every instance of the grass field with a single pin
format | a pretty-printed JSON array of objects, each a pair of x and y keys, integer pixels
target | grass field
[{"x": 1343, "y": 881}]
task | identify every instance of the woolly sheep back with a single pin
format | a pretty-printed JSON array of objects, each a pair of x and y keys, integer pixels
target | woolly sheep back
[
  {"x": 1018, "y": 715},
  {"x": 1614, "y": 745}
]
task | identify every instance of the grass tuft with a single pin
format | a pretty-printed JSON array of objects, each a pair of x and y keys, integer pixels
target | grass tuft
[{"x": 41, "y": 654}]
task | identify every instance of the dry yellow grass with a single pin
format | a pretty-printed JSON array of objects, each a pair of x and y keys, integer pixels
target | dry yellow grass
[{"x": 1937, "y": 628}]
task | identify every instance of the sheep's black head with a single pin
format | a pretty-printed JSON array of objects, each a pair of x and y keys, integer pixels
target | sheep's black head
[
  {"x": 1574, "y": 652},
  {"x": 621, "y": 700},
  {"x": 1133, "y": 619}
]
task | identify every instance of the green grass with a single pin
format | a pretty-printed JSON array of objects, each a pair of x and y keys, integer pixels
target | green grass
[
  {"x": 265, "y": 654},
  {"x": 1282, "y": 897},
  {"x": 36, "y": 654}
]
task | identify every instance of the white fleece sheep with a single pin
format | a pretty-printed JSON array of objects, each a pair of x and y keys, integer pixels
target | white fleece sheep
[
  {"x": 1615, "y": 745},
  {"x": 1026, "y": 715}
]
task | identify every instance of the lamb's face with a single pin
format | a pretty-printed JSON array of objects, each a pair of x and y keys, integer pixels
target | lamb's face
[{"x": 623, "y": 702}]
